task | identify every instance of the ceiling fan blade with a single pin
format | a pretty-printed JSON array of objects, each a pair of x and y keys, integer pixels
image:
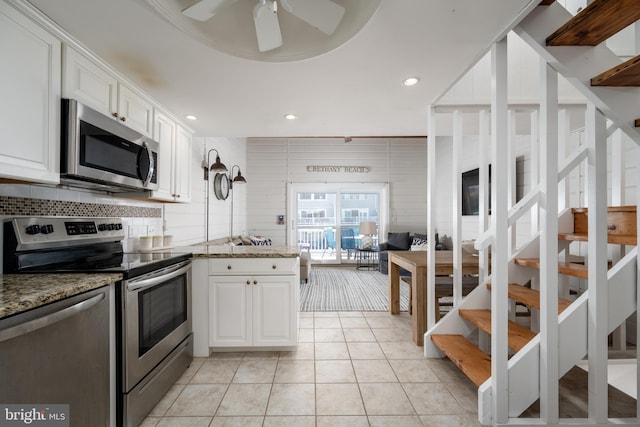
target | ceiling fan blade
[
  {"x": 325, "y": 15},
  {"x": 267, "y": 26},
  {"x": 205, "y": 9}
]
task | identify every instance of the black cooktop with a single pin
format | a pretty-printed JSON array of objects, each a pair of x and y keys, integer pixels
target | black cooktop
[{"x": 76, "y": 245}]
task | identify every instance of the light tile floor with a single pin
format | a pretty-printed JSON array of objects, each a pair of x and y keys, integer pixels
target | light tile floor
[{"x": 350, "y": 369}]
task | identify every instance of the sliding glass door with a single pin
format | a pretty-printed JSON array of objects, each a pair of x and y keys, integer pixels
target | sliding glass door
[{"x": 326, "y": 219}]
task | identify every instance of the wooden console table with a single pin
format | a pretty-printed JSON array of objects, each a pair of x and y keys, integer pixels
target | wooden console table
[{"x": 416, "y": 263}]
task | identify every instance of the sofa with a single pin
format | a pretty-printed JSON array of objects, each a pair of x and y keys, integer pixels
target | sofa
[{"x": 402, "y": 241}]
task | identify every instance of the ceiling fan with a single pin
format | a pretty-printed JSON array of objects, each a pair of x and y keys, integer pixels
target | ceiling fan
[{"x": 324, "y": 15}]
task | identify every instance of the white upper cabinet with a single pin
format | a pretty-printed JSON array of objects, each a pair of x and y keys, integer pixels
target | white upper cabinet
[
  {"x": 30, "y": 107},
  {"x": 183, "y": 165},
  {"x": 164, "y": 132},
  {"x": 92, "y": 85},
  {"x": 174, "y": 172}
]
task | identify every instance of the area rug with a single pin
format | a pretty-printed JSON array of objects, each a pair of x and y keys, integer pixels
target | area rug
[{"x": 346, "y": 289}]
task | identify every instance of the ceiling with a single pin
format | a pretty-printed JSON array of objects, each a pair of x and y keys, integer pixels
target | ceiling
[{"x": 353, "y": 90}]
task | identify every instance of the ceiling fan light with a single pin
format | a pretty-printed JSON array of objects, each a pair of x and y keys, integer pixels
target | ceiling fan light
[{"x": 290, "y": 116}]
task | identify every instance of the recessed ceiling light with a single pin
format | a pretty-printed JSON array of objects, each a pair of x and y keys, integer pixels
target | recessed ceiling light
[
  {"x": 191, "y": 117},
  {"x": 290, "y": 116},
  {"x": 410, "y": 81}
]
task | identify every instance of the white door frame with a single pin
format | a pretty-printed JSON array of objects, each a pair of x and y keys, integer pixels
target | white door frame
[{"x": 329, "y": 187}]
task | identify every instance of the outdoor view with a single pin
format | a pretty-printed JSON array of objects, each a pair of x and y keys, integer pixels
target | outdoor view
[{"x": 329, "y": 223}]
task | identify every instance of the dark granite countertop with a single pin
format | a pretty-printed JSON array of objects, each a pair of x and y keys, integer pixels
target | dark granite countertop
[{"x": 22, "y": 292}]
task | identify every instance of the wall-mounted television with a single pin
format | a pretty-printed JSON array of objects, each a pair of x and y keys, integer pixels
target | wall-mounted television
[{"x": 471, "y": 192}]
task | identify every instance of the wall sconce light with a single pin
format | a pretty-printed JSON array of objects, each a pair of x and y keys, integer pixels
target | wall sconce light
[
  {"x": 367, "y": 229},
  {"x": 239, "y": 179},
  {"x": 217, "y": 166}
]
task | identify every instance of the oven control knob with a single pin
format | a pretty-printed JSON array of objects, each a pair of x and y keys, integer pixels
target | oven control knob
[
  {"x": 102, "y": 227},
  {"x": 32, "y": 229},
  {"x": 46, "y": 229},
  {"x": 117, "y": 226},
  {"x": 110, "y": 226}
]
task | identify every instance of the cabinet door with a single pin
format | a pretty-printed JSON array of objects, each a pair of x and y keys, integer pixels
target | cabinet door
[
  {"x": 182, "y": 189},
  {"x": 230, "y": 311},
  {"x": 275, "y": 311},
  {"x": 30, "y": 107},
  {"x": 164, "y": 132},
  {"x": 88, "y": 83},
  {"x": 134, "y": 111}
]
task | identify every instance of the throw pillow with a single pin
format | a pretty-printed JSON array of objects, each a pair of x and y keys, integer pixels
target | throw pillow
[
  {"x": 418, "y": 241},
  {"x": 260, "y": 241},
  {"x": 398, "y": 241}
]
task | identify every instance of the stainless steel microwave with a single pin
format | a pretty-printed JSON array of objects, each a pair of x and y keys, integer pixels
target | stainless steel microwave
[{"x": 101, "y": 153}]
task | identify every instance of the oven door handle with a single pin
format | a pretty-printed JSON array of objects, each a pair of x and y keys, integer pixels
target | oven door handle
[
  {"x": 153, "y": 281},
  {"x": 49, "y": 319}
]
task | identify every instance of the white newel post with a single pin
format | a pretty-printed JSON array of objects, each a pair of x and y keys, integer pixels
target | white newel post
[
  {"x": 431, "y": 228},
  {"x": 457, "y": 207},
  {"x": 597, "y": 264},
  {"x": 500, "y": 247},
  {"x": 549, "y": 245}
]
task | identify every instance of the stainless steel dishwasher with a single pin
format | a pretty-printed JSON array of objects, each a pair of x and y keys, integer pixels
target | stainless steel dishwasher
[{"x": 59, "y": 354}]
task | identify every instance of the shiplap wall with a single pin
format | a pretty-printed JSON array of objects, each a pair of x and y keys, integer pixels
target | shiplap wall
[
  {"x": 186, "y": 222},
  {"x": 272, "y": 163}
]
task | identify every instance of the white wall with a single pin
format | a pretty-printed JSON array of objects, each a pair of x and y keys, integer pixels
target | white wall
[
  {"x": 274, "y": 162},
  {"x": 523, "y": 71},
  {"x": 186, "y": 222}
]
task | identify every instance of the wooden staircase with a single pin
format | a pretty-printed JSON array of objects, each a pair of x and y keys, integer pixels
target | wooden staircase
[
  {"x": 475, "y": 363},
  {"x": 595, "y": 24},
  {"x": 597, "y": 73}
]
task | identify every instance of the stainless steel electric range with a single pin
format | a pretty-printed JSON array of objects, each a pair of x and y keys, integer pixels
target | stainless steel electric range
[{"x": 154, "y": 342}]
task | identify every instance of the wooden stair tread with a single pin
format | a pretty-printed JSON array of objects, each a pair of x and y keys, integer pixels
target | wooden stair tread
[
  {"x": 567, "y": 268},
  {"x": 622, "y": 225},
  {"x": 625, "y": 74},
  {"x": 531, "y": 297},
  {"x": 519, "y": 336},
  {"x": 614, "y": 239},
  {"x": 596, "y": 23},
  {"x": 472, "y": 361}
]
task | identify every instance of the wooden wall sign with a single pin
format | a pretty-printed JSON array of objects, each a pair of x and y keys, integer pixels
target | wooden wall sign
[{"x": 339, "y": 169}]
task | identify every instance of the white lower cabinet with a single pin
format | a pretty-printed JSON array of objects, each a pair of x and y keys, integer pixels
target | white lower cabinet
[
  {"x": 253, "y": 302},
  {"x": 252, "y": 311}
]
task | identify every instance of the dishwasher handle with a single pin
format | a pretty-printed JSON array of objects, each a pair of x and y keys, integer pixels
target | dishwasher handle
[{"x": 49, "y": 319}]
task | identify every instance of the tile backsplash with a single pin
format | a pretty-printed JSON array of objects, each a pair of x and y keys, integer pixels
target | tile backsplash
[{"x": 15, "y": 206}]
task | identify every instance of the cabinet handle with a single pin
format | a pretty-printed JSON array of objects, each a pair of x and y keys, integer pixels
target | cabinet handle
[
  {"x": 248, "y": 282},
  {"x": 178, "y": 196},
  {"x": 123, "y": 118},
  {"x": 255, "y": 282},
  {"x": 115, "y": 115},
  {"x": 274, "y": 266},
  {"x": 228, "y": 267}
]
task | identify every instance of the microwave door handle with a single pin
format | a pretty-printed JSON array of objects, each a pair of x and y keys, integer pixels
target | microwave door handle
[{"x": 152, "y": 165}]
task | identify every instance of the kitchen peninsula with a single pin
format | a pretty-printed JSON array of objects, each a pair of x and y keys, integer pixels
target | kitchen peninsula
[{"x": 245, "y": 298}]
